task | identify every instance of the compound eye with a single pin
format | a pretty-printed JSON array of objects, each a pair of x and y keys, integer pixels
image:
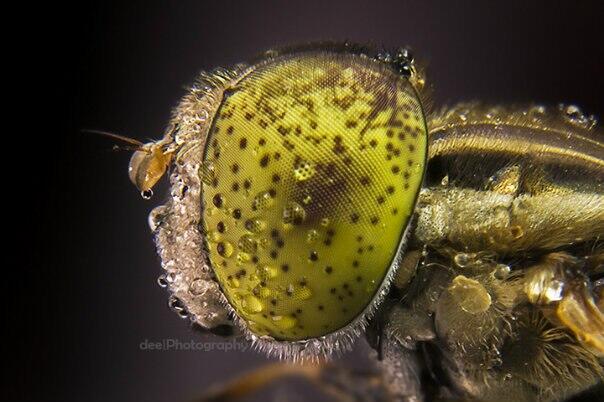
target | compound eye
[{"x": 311, "y": 172}]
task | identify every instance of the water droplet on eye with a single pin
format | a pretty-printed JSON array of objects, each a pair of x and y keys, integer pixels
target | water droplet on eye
[
  {"x": 312, "y": 236},
  {"x": 262, "y": 292},
  {"x": 445, "y": 181},
  {"x": 262, "y": 201},
  {"x": 255, "y": 225},
  {"x": 207, "y": 172},
  {"x": 268, "y": 272},
  {"x": 251, "y": 304},
  {"x": 248, "y": 244},
  {"x": 212, "y": 236},
  {"x": 198, "y": 287},
  {"x": 284, "y": 322},
  {"x": 502, "y": 271},
  {"x": 224, "y": 248},
  {"x": 147, "y": 194},
  {"x": 294, "y": 214},
  {"x": 304, "y": 170},
  {"x": 307, "y": 200},
  {"x": 325, "y": 222},
  {"x": 242, "y": 258}
]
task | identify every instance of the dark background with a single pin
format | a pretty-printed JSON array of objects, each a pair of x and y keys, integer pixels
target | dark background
[{"x": 89, "y": 283}]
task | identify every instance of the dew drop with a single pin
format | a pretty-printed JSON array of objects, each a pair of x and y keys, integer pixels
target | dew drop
[
  {"x": 198, "y": 287},
  {"x": 248, "y": 244},
  {"x": 262, "y": 201},
  {"x": 312, "y": 236},
  {"x": 156, "y": 217},
  {"x": 255, "y": 225},
  {"x": 224, "y": 248},
  {"x": 268, "y": 272},
  {"x": 147, "y": 194},
  {"x": 502, "y": 271},
  {"x": 293, "y": 213},
  {"x": 285, "y": 322},
  {"x": 252, "y": 304}
]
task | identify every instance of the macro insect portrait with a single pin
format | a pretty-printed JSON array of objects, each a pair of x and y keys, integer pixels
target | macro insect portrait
[{"x": 324, "y": 224}]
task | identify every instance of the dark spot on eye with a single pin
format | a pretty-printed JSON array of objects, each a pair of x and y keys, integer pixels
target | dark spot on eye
[
  {"x": 221, "y": 248},
  {"x": 230, "y": 130},
  {"x": 271, "y": 312},
  {"x": 332, "y": 291},
  {"x": 394, "y": 211},
  {"x": 280, "y": 243},
  {"x": 354, "y": 218},
  {"x": 217, "y": 200},
  {"x": 274, "y": 233},
  {"x": 255, "y": 259},
  {"x": 330, "y": 232},
  {"x": 410, "y": 162},
  {"x": 360, "y": 250},
  {"x": 220, "y": 226},
  {"x": 406, "y": 175},
  {"x": 411, "y": 148},
  {"x": 390, "y": 189},
  {"x": 283, "y": 131},
  {"x": 351, "y": 124},
  {"x": 235, "y": 186},
  {"x": 359, "y": 279},
  {"x": 365, "y": 180},
  {"x": 355, "y": 263},
  {"x": 327, "y": 242},
  {"x": 277, "y": 156},
  {"x": 299, "y": 311},
  {"x": 381, "y": 200},
  {"x": 263, "y": 124},
  {"x": 314, "y": 256},
  {"x": 321, "y": 307},
  {"x": 234, "y": 168},
  {"x": 249, "y": 116},
  {"x": 243, "y": 143},
  {"x": 313, "y": 125},
  {"x": 274, "y": 302},
  {"x": 345, "y": 286},
  {"x": 247, "y": 184},
  {"x": 389, "y": 134},
  {"x": 261, "y": 141},
  {"x": 284, "y": 267},
  {"x": 328, "y": 270},
  {"x": 401, "y": 136},
  {"x": 264, "y": 160},
  {"x": 214, "y": 182},
  {"x": 237, "y": 213},
  {"x": 389, "y": 146},
  {"x": 373, "y": 143},
  {"x": 395, "y": 169},
  {"x": 274, "y": 254},
  {"x": 272, "y": 192},
  {"x": 406, "y": 186},
  {"x": 359, "y": 238},
  {"x": 375, "y": 220},
  {"x": 303, "y": 282}
]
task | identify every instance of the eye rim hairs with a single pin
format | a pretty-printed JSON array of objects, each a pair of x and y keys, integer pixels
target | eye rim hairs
[{"x": 177, "y": 225}]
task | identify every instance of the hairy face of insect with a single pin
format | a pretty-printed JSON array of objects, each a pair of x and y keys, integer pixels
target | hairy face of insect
[{"x": 307, "y": 166}]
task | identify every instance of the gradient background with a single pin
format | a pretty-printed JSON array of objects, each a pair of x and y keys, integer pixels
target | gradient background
[{"x": 122, "y": 66}]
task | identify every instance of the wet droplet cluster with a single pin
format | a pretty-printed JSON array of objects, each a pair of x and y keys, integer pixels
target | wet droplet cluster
[{"x": 310, "y": 174}]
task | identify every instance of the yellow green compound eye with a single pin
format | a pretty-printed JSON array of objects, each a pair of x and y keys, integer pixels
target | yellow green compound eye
[{"x": 311, "y": 170}]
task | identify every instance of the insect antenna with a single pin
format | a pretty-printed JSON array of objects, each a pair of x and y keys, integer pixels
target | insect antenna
[{"x": 135, "y": 145}]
